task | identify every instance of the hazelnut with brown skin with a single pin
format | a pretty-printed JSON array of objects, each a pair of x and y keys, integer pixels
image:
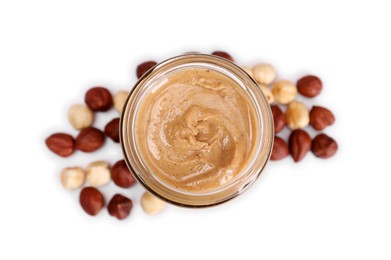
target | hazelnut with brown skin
[
  {"x": 144, "y": 67},
  {"x": 61, "y": 144},
  {"x": 89, "y": 140},
  {"x": 120, "y": 206},
  {"x": 99, "y": 99},
  {"x": 91, "y": 200}
]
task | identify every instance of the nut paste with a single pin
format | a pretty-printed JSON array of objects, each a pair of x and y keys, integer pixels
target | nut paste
[{"x": 196, "y": 130}]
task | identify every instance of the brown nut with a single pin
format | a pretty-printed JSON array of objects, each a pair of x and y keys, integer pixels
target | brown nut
[
  {"x": 119, "y": 100},
  {"x": 284, "y": 91},
  {"x": 224, "y": 55},
  {"x": 91, "y": 200},
  {"x": 80, "y": 116},
  {"x": 121, "y": 175},
  {"x": 268, "y": 94},
  {"x": 120, "y": 206},
  {"x": 323, "y": 146},
  {"x": 99, "y": 99},
  {"x": 98, "y": 173},
  {"x": 72, "y": 177},
  {"x": 144, "y": 67},
  {"x": 112, "y": 130},
  {"x": 61, "y": 144},
  {"x": 278, "y": 118},
  {"x": 309, "y": 86},
  {"x": 89, "y": 140},
  {"x": 150, "y": 204},
  {"x": 264, "y": 73},
  {"x": 321, "y": 117},
  {"x": 299, "y": 144},
  {"x": 297, "y": 115},
  {"x": 280, "y": 149}
]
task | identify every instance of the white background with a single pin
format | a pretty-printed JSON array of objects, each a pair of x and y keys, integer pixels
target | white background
[{"x": 52, "y": 51}]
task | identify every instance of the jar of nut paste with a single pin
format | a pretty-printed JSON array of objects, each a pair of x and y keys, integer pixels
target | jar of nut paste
[{"x": 196, "y": 130}]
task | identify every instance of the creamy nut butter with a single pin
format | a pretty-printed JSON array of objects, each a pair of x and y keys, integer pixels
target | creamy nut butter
[{"x": 196, "y": 130}]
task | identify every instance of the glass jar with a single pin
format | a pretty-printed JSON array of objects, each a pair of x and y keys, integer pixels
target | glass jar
[{"x": 244, "y": 179}]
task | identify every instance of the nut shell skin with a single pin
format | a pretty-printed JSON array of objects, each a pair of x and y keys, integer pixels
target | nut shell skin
[
  {"x": 299, "y": 144},
  {"x": 89, "y": 140},
  {"x": 120, "y": 206},
  {"x": 99, "y": 99},
  {"x": 321, "y": 117},
  {"x": 144, "y": 67},
  {"x": 224, "y": 55},
  {"x": 278, "y": 118},
  {"x": 121, "y": 175},
  {"x": 323, "y": 146},
  {"x": 280, "y": 149},
  {"x": 112, "y": 130},
  {"x": 61, "y": 144},
  {"x": 309, "y": 86},
  {"x": 91, "y": 200}
]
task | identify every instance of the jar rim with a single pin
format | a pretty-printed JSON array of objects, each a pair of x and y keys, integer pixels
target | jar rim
[{"x": 234, "y": 187}]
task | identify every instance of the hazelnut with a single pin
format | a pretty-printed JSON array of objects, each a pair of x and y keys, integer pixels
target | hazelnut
[
  {"x": 248, "y": 71},
  {"x": 119, "y": 100},
  {"x": 323, "y": 146},
  {"x": 80, "y": 116},
  {"x": 278, "y": 118},
  {"x": 91, "y": 200},
  {"x": 144, "y": 67},
  {"x": 280, "y": 149},
  {"x": 224, "y": 55},
  {"x": 299, "y": 144},
  {"x": 297, "y": 115},
  {"x": 120, "y": 206},
  {"x": 151, "y": 204},
  {"x": 89, "y": 140},
  {"x": 309, "y": 86},
  {"x": 121, "y": 175},
  {"x": 61, "y": 144},
  {"x": 72, "y": 178},
  {"x": 284, "y": 91},
  {"x": 112, "y": 130},
  {"x": 98, "y": 173},
  {"x": 321, "y": 117},
  {"x": 99, "y": 99},
  {"x": 268, "y": 94},
  {"x": 264, "y": 73}
]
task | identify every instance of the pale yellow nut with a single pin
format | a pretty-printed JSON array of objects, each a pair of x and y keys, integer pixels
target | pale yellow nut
[
  {"x": 248, "y": 70},
  {"x": 297, "y": 115},
  {"x": 80, "y": 116},
  {"x": 264, "y": 73},
  {"x": 98, "y": 173},
  {"x": 119, "y": 100},
  {"x": 72, "y": 177},
  {"x": 284, "y": 91},
  {"x": 268, "y": 94},
  {"x": 151, "y": 204}
]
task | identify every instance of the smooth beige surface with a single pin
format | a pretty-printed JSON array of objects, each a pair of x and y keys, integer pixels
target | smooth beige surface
[{"x": 195, "y": 131}]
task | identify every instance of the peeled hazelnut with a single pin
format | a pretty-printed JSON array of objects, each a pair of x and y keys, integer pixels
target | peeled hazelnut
[
  {"x": 112, "y": 130},
  {"x": 268, "y": 94},
  {"x": 98, "y": 173},
  {"x": 284, "y": 91},
  {"x": 61, "y": 144},
  {"x": 91, "y": 200},
  {"x": 144, "y": 67},
  {"x": 323, "y": 146},
  {"x": 321, "y": 117},
  {"x": 248, "y": 71},
  {"x": 278, "y": 118},
  {"x": 297, "y": 115},
  {"x": 264, "y": 73},
  {"x": 89, "y": 140},
  {"x": 121, "y": 175},
  {"x": 224, "y": 55},
  {"x": 299, "y": 144},
  {"x": 80, "y": 116},
  {"x": 151, "y": 204},
  {"x": 120, "y": 206},
  {"x": 119, "y": 100},
  {"x": 280, "y": 149},
  {"x": 99, "y": 99},
  {"x": 72, "y": 178},
  {"x": 309, "y": 86}
]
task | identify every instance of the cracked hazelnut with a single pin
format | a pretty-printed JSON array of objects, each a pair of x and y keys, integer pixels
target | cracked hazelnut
[
  {"x": 264, "y": 73},
  {"x": 98, "y": 173},
  {"x": 80, "y": 116},
  {"x": 72, "y": 177},
  {"x": 297, "y": 115}
]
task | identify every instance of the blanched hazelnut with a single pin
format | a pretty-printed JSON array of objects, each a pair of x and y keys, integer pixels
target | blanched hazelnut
[
  {"x": 72, "y": 178},
  {"x": 284, "y": 91},
  {"x": 248, "y": 71},
  {"x": 98, "y": 173},
  {"x": 80, "y": 116},
  {"x": 297, "y": 115},
  {"x": 268, "y": 94},
  {"x": 264, "y": 73},
  {"x": 119, "y": 100},
  {"x": 151, "y": 204}
]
